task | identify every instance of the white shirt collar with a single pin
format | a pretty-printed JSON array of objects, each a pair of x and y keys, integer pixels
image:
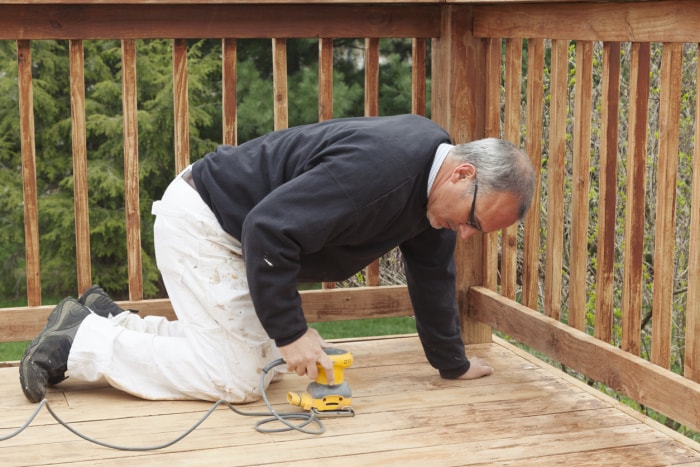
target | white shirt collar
[{"x": 440, "y": 156}]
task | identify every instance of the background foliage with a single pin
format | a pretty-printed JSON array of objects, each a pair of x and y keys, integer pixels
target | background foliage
[{"x": 51, "y": 87}]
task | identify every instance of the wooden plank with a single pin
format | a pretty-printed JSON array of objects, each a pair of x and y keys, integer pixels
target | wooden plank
[
  {"x": 325, "y": 79},
  {"x": 169, "y": 21},
  {"x": 418, "y": 76},
  {"x": 634, "y": 213},
  {"x": 372, "y": 110},
  {"x": 511, "y": 132},
  {"x": 80, "y": 180},
  {"x": 31, "y": 207},
  {"x": 181, "y": 113},
  {"x": 529, "y": 411},
  {"x": 667, "y": 21},
  {"x": 665, "y": 229},
  {"x": 492, "y": 129},
  {"x": 371, "y": 62},
  {"x": 228, "y": 91},
  {"x": 605, "y": 273},
  {"x": 279, "y": 78},
  {"x": 555, "y": 178},
  {"x": 131, "y": 169},
  {"x": 692, "y": 332},
  {"x": 24, "y": 323},
  {"x": 325, "y": 92},
  {"x": 645, "y": 382},
  {"x": 581, "y": 183},
  {"x": 533, "y": 147}
]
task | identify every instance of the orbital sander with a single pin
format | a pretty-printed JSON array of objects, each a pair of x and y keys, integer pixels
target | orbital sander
[{"x": 328, "y": 400}]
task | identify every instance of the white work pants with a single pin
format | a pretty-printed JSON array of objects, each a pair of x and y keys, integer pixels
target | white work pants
[{"x": 217, "y": 348}]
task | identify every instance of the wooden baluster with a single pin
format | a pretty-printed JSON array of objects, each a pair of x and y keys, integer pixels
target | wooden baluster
[
  {"x": 31, "y": 208},
  {"x": 634, "y": 213},
  {"x": 605, "y": 274},
  {"x": 80, "y": 180},
  {"x": 131, "y": 169}
]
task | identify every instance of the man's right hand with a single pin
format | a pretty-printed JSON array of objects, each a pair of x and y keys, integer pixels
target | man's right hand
[{"x": 302, "y": 355}]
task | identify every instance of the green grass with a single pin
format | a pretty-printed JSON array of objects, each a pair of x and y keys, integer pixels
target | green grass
[
  {"x": 365, "y": 327},
  {"x": 10, "y": 351}
]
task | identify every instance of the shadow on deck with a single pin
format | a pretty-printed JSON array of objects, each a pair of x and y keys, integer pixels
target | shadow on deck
[{"x": 526, "y": 413}]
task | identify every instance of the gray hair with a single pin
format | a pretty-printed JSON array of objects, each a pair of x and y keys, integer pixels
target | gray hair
[{"x": 500, "y": 166}]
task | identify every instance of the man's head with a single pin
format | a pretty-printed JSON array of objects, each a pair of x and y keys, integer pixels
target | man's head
[{"x": 484, "y": 185}]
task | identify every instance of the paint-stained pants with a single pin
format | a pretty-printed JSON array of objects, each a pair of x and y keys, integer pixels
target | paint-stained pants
[{"x": 215, "y": 350}]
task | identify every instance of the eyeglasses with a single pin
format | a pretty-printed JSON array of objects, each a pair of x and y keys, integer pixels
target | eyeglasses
[{"x": 472, "y": 220}]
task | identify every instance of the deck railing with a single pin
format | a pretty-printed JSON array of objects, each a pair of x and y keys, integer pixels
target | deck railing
[{"x": 566, "y": 80}]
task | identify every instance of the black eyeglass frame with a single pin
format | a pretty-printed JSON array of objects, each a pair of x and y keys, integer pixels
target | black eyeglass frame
[{"x": 472, "y": 220}]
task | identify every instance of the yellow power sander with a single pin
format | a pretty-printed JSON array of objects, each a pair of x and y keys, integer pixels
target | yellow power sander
[{"x": 328, "y": 400}]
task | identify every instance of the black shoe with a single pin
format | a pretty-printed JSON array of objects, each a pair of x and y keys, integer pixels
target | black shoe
[
  {"x": 46, "y": 359},
  {"x": 99, "y": 302}
]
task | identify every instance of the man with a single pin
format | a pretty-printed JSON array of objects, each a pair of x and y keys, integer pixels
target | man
[{"x": 236, "y": 231}]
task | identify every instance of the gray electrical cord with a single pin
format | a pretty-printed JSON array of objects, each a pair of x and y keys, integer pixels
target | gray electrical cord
[{"x": 306, "y": 417}]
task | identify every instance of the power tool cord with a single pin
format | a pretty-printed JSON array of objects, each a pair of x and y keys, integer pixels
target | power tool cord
[{"x": 307, "y": 418}]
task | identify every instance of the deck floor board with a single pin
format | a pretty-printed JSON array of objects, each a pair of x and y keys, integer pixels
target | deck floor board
[{"x": 526, "y": 413}]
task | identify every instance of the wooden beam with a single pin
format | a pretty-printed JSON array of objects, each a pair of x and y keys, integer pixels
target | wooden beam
[
  {"x": 24, "y": 323},
  {"x": 649, "y": 384},
  {"x": 167, "y": 21},
  {"x": 667, "y": 21}
]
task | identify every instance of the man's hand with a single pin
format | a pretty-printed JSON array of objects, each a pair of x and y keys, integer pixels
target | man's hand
[
  {"x": 478, "y": 368},
  {"x": 303, "y": 354}
]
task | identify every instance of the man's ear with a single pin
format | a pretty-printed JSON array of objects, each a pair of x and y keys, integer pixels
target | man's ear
[{"x": 464, "y": 171}]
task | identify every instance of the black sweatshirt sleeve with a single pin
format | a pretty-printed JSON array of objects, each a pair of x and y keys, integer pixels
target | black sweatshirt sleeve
[{"x": 430, "y": 274}]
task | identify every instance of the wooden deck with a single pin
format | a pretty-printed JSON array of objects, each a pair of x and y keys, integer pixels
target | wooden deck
[{"x": 527, "y": 413}]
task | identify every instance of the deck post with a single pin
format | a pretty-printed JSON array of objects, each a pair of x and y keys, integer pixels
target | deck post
[{"x": 458, "y": 104}]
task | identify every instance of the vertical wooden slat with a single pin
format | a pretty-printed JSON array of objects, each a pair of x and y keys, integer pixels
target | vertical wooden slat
[
  {"x": 80, "y": 182},
  {"x": 31, "y": 208},
  {"x": 665, "y": 229},
  {"x": 555, "y": 179},
  {"x": 692, "y": 309},
  {"x": 228, "y": 92},
  {"x": 279, "y": 72},
  {"x": 371, "y": 77},
  {"x": 492, "y": 71},
  {"x": 371, "y": 110},
  {"x": 533, "y": 147},
  {"x": 325, "y": 93},
  {"x": 634, "y": 213},
  {"x": 610, "y": 103},
  {"x": 581, "y": 184},
  {"x": 511, "y": 132},
  {"x": 325, "y": 79},
  {"x": 418, "y": 76},
  {"x": 131, "y": 169},
  {"x": 181, "y": 118}
]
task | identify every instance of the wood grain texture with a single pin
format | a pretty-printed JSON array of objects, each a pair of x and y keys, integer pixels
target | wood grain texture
[
  {"x": 610, "y": 105},
  {"x": 634, "y": 208},
  {"x": 184, "y": 21},
  {"x": 665, "y": 21},
  {"x": 527, "y": 413},
  {"x": 533, "y": 146},
  {"x": 27, "y": 143},
  {"x": 80, "y": 178},
  {"x": 131, "y": 169},
  {"x": 651, "y": 385}
]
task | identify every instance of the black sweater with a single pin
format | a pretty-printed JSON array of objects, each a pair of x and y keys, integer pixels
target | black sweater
[{"x": 319, "y": 202}]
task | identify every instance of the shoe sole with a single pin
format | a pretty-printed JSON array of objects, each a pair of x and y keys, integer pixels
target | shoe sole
[{"x": 28, "y": 370}]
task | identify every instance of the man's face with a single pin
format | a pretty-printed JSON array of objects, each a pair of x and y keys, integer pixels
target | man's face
[{"x": 450, "y": 205}]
